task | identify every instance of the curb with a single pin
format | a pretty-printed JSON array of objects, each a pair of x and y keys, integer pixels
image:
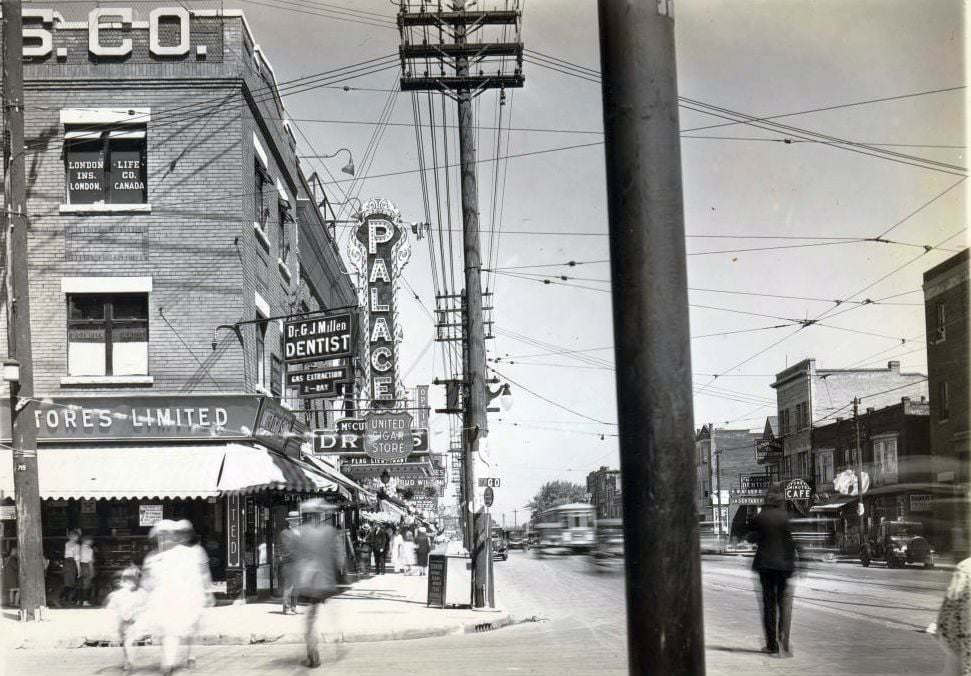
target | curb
[{"x": 466, "y": 627}]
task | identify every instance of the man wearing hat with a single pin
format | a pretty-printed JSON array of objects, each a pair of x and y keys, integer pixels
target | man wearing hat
[{"x": 286, "y": 551}]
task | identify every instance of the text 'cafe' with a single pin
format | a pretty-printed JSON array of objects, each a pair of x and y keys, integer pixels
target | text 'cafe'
[{"x": 113, "y": 466}]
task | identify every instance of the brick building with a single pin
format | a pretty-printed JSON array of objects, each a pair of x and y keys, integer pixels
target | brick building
[
  {"x": 167, "y": 205},
  {"x": 604, "y": 488},
  {"x": 946, "y": 299},
  {"x": 895, "y": 445},
  {"x": 807, "y": 395},
  {"x": 724, "y": 465}
]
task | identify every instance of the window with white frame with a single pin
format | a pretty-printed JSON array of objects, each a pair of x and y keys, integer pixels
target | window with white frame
[
  {"x": 885, "y": 455},
  {"x": 825, "y": 469},
  {"x": 105, "y": 166},
  {"x": 261, "y": 352},
  {"x": 107, "y": 334}
]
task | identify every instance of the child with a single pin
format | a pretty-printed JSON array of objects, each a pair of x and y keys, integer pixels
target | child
[{"x": 126, "y": 602}]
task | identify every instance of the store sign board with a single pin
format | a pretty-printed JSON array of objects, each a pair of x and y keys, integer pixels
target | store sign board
[
  {"x": 8, "y": 512},
  {"x": 278, "y": 428},
  {"x": 149, "y": 515},
  {"x": 336, "y": 373},
  {"x": 349, "y": 439},
  {"x": 388, "y": 436},
  {"x": 318, "y": 338},
  {"x": 234, "y": 531},
  {"x": 921, "y": 502},
  {"x": 746, "y": 496},
  {"x": 134, "y": 417}
]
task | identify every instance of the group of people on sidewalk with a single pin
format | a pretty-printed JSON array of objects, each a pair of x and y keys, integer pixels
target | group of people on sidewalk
[{"x": 405, "y": 548}]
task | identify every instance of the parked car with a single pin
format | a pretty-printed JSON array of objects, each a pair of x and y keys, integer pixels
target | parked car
[
  {"x": 500, "y": 546},
  {"x": 516, "y": 539},
  {"x": 898, "y": 543},
  {"x": 608, "y": 551}
]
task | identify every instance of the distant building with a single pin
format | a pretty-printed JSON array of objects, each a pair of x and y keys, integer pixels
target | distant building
[
  {"x": 603, "y": 485},
  {"x": 895, "y": 445},
  {"x": 946, "y": 301},
  {"x": 726, "y": 465},
  {"x": 807, "y": 396}
]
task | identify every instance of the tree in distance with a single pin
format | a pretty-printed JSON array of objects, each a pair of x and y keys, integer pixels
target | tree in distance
[{"x": 554, "y": 493}]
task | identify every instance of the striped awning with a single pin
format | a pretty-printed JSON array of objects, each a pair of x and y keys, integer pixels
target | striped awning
[
  {"x": 248, "y": 469},
  {"x": 123, "y": 472}
]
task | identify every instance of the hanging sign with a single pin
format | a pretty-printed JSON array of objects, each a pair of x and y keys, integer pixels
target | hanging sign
[
  {"x": 319, "y": 338},
  {"x": 387, "y": 436},
  {"x": 149, "y": 515},
  {"x": 338, "y": 373},
  {"x": 378, "y": 252}
]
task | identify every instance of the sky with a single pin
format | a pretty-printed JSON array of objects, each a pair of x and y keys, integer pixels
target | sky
[{"x": 759, "y": 58}]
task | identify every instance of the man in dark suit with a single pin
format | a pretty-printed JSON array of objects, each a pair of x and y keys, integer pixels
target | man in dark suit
[
  {"x": 379, "y": 545},
  {"x": 775, "y": 561}
]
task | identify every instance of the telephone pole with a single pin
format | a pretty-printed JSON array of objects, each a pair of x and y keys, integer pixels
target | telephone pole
[
  {"x": 859, "y": 461},
  {"x": 651, "y": 338},
  {"x": 456, "y": 49},
  {"x": 718, "y": 480},
  {"x": 23, "y": 433}
]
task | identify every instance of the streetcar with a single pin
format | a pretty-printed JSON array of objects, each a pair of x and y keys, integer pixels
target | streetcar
[{"x": 570, "y": 527}]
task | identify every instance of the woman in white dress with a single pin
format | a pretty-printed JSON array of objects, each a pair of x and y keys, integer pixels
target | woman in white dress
[
  {"x": 396, "y": 542},
  {"x": 406, "y": 555}
]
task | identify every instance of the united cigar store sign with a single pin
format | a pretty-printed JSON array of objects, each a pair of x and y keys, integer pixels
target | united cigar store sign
[{"x": 41, "y": 27}]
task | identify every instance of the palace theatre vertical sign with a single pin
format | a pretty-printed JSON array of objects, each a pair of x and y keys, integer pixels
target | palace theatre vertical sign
[{"x": 378, "y": 253}]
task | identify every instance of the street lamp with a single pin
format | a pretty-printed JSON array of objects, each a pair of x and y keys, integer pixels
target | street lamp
[
  {"x": 347, "y": 168},
  {"x": 11, "y": 370},
  {"x": 505, "y": 397}
]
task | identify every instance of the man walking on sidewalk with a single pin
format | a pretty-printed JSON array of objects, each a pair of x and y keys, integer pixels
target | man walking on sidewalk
[
  {"x": 286, "y": 551},
  {"x": 379, "y": 545},
  {"x": 775, "y": 560}
]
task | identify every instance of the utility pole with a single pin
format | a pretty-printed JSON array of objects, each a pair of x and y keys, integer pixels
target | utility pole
[
  {"x": 859, "y": 461},
  {"x": 515, "y": 521},
  {"x": 454, "y": 49},
  {"x": 651, "y": 338},
  {"x": 718, "y": 479},
  {"x": 33, "y": 594}
]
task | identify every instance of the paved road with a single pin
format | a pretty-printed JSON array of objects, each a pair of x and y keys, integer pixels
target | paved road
[{"x": 847, "y": 620}]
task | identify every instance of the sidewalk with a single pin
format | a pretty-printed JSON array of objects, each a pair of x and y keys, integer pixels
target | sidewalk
[{"x": 380, "y": 608}]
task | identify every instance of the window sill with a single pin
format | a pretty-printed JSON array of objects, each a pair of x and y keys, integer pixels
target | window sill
[
  {"x": 105, "y": 208},
  {"x": 261, "y": 236},
  {"x": 107, "y": 380},
  {"x": 284, "y": 270}
]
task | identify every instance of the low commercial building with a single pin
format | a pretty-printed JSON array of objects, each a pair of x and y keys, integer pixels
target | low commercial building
[
  {"x": 727, "y": 467},
  {"x": 605, "y": 491},
  {"x": 171, "y": 229}
]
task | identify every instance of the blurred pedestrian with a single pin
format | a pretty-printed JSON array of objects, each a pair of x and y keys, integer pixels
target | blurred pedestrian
[
  {"x": 286, "y": 553},
  {"x": 380, "y": 537},
  {"x": 86, "y": 570},
  {"x": 423, "y": 546},
  {"x": 70, "y": 571},
  {"x": 11, "y": 578},
  {"x": 126, "y": 603},
  {"x": 319, "y": 560},
  {"x": 954, "y": 620},
  {"x": 406, "y": 553},
  {"x": 775, "y": 561},
  {"x": 396, "y": 540},
  {"x": 363, "y": 549},
  {"x": 178, "y": 582}
]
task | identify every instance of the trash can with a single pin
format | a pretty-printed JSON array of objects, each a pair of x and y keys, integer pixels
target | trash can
[{"x": 449, "y": 580}]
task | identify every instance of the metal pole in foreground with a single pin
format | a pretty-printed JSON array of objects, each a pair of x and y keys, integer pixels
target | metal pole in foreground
[
  {"x": 24, "y": 435},
  {"x": 650, "y": 302}
]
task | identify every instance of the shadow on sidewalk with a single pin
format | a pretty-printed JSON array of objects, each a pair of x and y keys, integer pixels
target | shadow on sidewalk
[{"x": 731, "y": 649}]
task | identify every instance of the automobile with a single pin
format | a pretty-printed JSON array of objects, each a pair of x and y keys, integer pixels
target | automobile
[
  {"x": 899, "y": 543},
  {"x": 500, "y": 546},
  {"x": 608, "y": 551},
  {"x": 516, "y": 539}
]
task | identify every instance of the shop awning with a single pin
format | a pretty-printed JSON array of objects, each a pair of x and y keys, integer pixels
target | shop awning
[
  {"x": 123, "y": 472},
  {"x": 249, "y": 469},
  {"x": 339, "y": 477},
  {"x": 834, "y": 504}
]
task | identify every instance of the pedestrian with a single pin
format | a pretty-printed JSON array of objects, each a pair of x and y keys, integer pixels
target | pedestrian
[
  {"x": 11, "y": 578},
  {"x": 319, "y": 559},
  {"x": 86, "y": 570},
  {"x": 396, "y": 540},
  {"x": 364, "y": 549},
  {"x": 406, "y": 553},
  {"x": 954, "y": 620},
  {"x": 379, "y": 545},
  {"x": 775, "y": 561},
  {"x": 423, "y": 546},
  {"x": 70, "y": 571},
  {"x": 178, "y": 582},
  {"x": 126, "y": 603},
  {"x": 286, "y": 552}
]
